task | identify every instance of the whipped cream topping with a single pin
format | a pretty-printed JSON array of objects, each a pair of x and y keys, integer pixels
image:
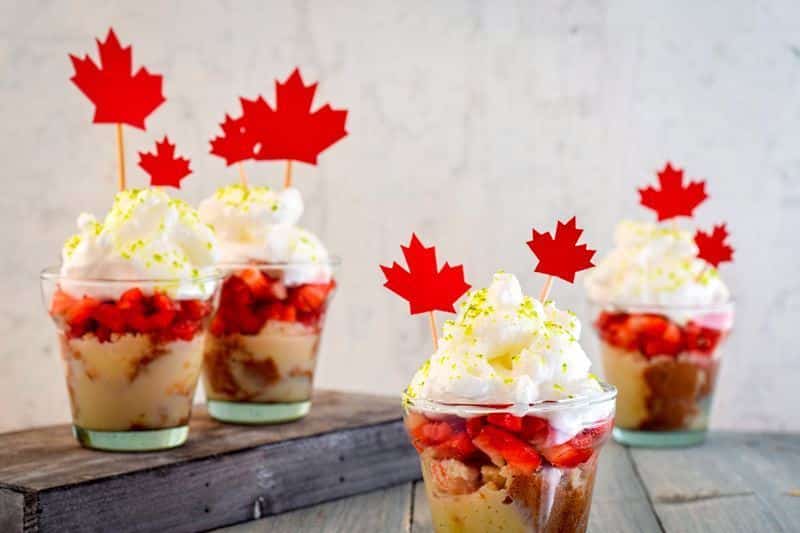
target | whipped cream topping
[
  {"x": 145, "y": 236},
  {"x": 655, "y": 265},
  {"x": 507, "y": 348},
  {"x": 258, "y": 224}
]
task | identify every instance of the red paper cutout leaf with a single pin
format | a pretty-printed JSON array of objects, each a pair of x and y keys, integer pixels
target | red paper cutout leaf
[
  {"x": 712, "y": 246},
  {"x": 119, "y": 96},
  {"x": 425, "y": 287},
  {"x": 164, "y": 168},
  {"x": 235, "y": 144},
  {"x": 291, "y": 130},
  {"x": 561, "y": 256},
  {"x": 673, "y": 199}
]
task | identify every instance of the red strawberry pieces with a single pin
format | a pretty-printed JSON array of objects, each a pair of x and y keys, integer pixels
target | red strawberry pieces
[
  {"x": 133, "y": 312},
  {"x": 503, "y": 438},
  {"x": 654, "y": 335},
  {"x": 250, "y": 297}
]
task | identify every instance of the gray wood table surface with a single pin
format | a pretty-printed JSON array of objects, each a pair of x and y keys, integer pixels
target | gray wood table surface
[{"x": 742, "y": 482}]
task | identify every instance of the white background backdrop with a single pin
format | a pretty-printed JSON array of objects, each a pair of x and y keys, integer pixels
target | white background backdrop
[{"x": 470, "y": 122}]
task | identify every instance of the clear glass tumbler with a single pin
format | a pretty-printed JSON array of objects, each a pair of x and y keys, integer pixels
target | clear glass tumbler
[
  {"x": 262, "y": 349},
  {"x": 494, "y": 468},
  {"x": 132, "y": 356},
  {"x": 664, "y": 361}
]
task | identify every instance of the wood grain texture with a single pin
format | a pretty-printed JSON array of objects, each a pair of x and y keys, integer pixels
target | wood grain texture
[
  {"x": 382, "y": 510},
  {"x": 224, "y": 475}
]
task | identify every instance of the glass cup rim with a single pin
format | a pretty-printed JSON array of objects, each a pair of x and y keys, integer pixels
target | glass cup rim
[
  {"x": 607, "y": 394},
  {"x": 53, "y": 273},
  {"x": 330, "y": 261},
  {"x": 727, "y": 305}
]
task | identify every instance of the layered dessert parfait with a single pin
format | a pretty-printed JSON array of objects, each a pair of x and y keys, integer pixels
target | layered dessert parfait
[
  {"x": 662, "y": 315},
  {"x": 507, "y": 418},
  {"x": 262, "y": 349},
  {"x": 132, "y": 300}
]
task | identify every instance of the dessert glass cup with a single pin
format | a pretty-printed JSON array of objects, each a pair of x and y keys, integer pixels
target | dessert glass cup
[
  {"x": 132, "y": 359},
  {"x": 497, "y": 469},
  {"x": 664, "y": 361},
  {"x": 261, "y": 352}
]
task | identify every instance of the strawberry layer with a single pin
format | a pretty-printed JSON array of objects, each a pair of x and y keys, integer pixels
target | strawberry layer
[
  {"x": 523, "y": 443},
  {"x": 158, "y": 315},
  {"x": 653, "y": 334},
  {"x": 250, "y": 297}
]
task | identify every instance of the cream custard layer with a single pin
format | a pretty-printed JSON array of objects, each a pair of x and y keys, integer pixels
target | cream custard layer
[
  {"x": 660, "y": 393},
  {"x": 130, "y": 382},
  {"x": 275, "y": 365},
  {"x": 464, "y": 499}
]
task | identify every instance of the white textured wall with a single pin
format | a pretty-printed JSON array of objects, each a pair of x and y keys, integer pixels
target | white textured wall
[{"x": 470, "y": 122}]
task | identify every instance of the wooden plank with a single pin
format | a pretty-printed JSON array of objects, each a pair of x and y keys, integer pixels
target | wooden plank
[
  {"x": 350, "y": 443},
  {"x": 735, "y": 482},
  {"x": 619, "y": 504},
  {"x": 382, "y": 510}
]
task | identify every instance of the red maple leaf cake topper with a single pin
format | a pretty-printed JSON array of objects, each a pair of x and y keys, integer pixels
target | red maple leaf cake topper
[
  {"x": 423, "y": 285},
  {"x": 164, "y": 167},
  {"x": 561, "y": 255},
  {"x": 236, "y": 144},
  {"x": 673, "y": 198},
  {"x": 119, "y": 95},
  {"x": 291, "y": 130},
  {"x": 712, "y": 246}
]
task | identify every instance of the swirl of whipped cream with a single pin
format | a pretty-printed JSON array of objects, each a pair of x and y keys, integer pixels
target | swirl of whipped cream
[
  {"x": 655, "y": 265},
  {"x": 507, "y": 348},
  {"x": 257, "y": 224},
  {"x": 145, "y": 236}
]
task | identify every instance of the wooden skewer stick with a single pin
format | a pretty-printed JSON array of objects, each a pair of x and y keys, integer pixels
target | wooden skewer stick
[
  {"x": 242, "y": 175},
  {"x": 434, "y": 330},
  {"x": 546, "y": 289},
  {"x": 120, "y": 158},
  {"x": 287, "y": 175}
]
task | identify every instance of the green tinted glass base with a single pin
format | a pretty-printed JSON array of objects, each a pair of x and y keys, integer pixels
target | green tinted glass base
[
  {"x": 131, "y": 441},
  {"x": 659, "y": 439},
  {"x": 257, "y": 413}
]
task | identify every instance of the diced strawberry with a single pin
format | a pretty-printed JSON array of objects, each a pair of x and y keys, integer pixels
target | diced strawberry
[
  {"x": 162, "y": 302},
  {"x": 458, "y": 447},
  {"x": 503, "y": 447},
  {"x": 185, "y": 330},
  {"x": 599, "y": 432},
  {"x": 248, "y": 322},
  {"x": 102, "y": 333},
  {"x": 81, "y": 313},
  {"x": 310, "y": 297},
  {"x": 567, "y": 455},
  {"x": 278, "y": 290},
  {"x": 649, "y": 325},
  {"x": 218, "y": 325},
  {"x": 436, "y": 432},
  {"x": 61, "y": 303},
  {"x": 505, "y": 421},
  {"x": 289, "y": 313},
  {"x": 474, "y": 426},
  {"x": 194, "y": 309},
  {"x": 700, "y": 339},
  {"x": 535, "y": 429},
  {"x": 110, "y": 316},
  {"x": 131, "y": 300},
  {"x": 257, "y": 282}
]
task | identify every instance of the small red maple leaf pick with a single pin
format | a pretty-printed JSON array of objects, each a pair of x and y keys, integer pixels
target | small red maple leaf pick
[
  {"x": 424, "y": 286},
  {"x": 561, "y": 256},
  {"x": 712, "y": 246},
  {"x": 673, "y": 199},
  {"x": 119, "y": 96},
  {"x": 291, "y": 131},
  {"x": 235, "y": 144},
  {"x": 164, "y": 168}
]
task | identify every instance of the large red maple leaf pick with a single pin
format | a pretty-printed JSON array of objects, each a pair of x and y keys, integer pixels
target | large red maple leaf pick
[
  {"x": 561, "y": 255},
  {"x": 673, "y": 199},
  {"x": 164, "y": 168},
  {"x": 291, "y": 130},
  {"x": 425, "y": 286},
  {"x": 235, "y": 144},
  {"x": 119, "y": 96},
  {"x": 712, "y": 247}
]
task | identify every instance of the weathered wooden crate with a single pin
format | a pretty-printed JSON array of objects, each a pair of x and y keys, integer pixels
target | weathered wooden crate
[{"x": 225, "y": 474}]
